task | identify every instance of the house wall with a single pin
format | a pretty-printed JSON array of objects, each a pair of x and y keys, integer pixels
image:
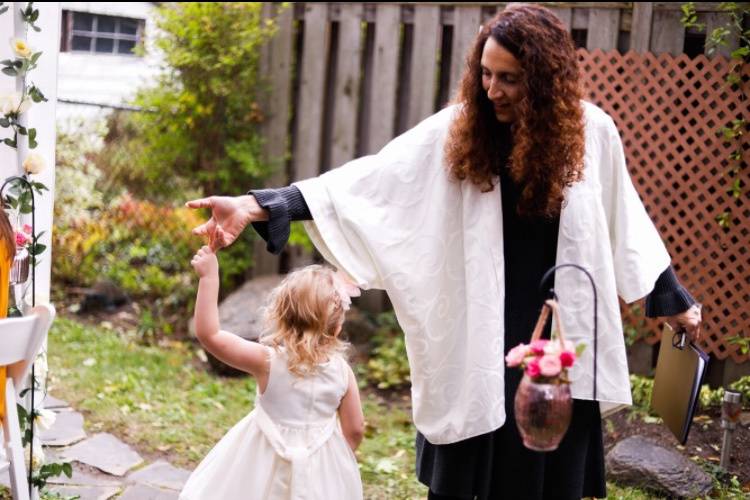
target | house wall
[{"x": 106, "y": 79}]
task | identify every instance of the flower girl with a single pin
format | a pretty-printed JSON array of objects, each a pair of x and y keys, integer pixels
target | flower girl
[{"x": 299, "y": 441}]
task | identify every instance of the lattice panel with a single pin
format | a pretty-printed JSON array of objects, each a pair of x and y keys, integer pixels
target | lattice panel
[{"x": 669, "y": 110}]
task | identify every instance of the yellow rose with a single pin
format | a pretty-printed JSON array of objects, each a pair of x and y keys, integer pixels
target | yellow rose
[
  {"x": 33, "y": 164},
  {"x": 21, "y": 48}
]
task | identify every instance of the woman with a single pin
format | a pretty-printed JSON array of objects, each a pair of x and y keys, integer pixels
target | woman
[{"x": 465, "y": 212}]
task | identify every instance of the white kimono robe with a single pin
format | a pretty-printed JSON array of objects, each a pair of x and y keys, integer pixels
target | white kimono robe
[{"x": 397, "y": 221}]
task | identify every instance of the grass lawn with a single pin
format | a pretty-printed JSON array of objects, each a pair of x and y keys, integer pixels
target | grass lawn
[{"x": 164, "y": 402}]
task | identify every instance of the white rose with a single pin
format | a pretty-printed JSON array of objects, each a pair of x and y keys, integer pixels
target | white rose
[
  {"x": 45, "y": 419},
  {"x": 40, "y": 365},
  {"x": 21, "y": 48},
  {"x": 33, "y": 164},
  {"x": 39, "y": 458},
  {"x": 11, "y": 103}
]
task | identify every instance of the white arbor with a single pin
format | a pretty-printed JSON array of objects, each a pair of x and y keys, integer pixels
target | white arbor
[{"x": 40, "y": 116}]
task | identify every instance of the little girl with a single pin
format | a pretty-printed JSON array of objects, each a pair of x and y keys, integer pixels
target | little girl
[{"x": 291, "y": 445}]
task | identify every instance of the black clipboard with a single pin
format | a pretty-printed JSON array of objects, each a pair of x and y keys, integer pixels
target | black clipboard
[{"x": 679, "y": 375}]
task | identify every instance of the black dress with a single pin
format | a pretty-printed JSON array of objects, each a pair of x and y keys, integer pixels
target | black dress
[{"x": 496, "y": 465}]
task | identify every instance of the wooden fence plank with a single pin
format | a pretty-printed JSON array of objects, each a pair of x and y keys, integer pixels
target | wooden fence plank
[
  {"x": 640, "y": 31},
  {"x": 604, "y": 28},
  {"x": 716, "y": 20},
  {"x": 667, "y": 32},
  {"x": 423, "y": 70},
  {"x": 382, "y": 107},
  {"x": 346, "y": 98},
  {"x": 276, "y": 63},
  {"x": 466, "y": 23},
  {"x": 565, "y": 15},
  {"x": 278, "y": 68},
  {"x": 311, "y": 94},
  {"x": 580, "y": 19}
]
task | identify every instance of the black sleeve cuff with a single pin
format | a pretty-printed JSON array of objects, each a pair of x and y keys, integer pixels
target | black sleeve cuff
[
  {"x": 284, "y": 205},
  {"x": 668, "y": 297}
]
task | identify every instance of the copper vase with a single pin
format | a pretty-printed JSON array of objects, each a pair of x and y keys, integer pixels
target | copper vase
[{"x": 542, "y": 413}]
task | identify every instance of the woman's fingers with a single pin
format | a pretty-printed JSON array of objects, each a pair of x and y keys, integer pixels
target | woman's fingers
[{"x": 200, "y": 203}]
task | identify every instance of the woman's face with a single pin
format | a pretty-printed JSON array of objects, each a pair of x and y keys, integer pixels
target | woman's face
[{"x": 501, "y": 79}]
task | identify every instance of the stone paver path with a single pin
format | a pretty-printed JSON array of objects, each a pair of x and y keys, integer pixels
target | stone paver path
[{"x": 103, "y": 466}]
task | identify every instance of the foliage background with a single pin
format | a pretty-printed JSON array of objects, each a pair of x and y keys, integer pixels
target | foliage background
[{"x": 122, "y": 183}]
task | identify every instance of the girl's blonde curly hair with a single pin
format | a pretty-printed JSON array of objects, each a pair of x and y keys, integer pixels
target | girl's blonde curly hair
[{"x": 305, "y": 316}]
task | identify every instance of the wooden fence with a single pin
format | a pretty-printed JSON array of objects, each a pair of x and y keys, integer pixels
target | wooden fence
[{"x": 346, "y": 78}]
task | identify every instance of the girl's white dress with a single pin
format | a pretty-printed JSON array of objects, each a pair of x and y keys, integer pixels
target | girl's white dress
[{"x": 289, "y": 447}]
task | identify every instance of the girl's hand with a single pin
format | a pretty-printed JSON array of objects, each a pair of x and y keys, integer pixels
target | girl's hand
[{"x": 205, "y": 262}]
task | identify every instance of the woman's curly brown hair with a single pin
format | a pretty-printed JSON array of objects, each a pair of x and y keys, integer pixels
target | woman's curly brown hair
[{"x": 548, "y": 135}]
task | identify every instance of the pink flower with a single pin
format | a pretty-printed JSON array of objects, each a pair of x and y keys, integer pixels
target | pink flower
[
  {"x": 21, "y": 239},
  {"x": 533, "y": 369},
  {"x": 346, "y": 288},
  {"x": 567, "y": 358},
  {"x": 27, "y": 228},
  {"x": 537, "y": 347},
  {"x": 550, "y": 366},
  {"x": 515, "y": 356}
]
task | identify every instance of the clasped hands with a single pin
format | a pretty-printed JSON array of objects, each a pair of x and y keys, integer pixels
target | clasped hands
[{"x": 229, "y": 216}]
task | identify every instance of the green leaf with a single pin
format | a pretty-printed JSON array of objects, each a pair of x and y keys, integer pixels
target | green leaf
[
  {"x": 3, "y": 10},
  {"x": 32, "y": 134},
  {"x": 6, "y": 62},
  {"x": 35, "y": 57},
  {"x": 35, "y": 28},
  {"x": 22, "y": 130},
  {"x": 740, "y": 53},
  {"x": 38, "y": 249},
  {"x": 579, "y": 349},
  {"x": 10, "y": 71},
  {"x": 4, "y": 122},
  {"x": 9, "y": 142},
  {"x": 33, "y": 144},
  {"x": 67, "y": 469}
]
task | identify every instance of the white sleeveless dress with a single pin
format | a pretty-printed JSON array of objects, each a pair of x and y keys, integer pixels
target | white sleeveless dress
[{"x": 289, "y": 447}]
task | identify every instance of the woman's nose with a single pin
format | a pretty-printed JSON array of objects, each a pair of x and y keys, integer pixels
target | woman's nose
[{"x": 494, "y": 91}]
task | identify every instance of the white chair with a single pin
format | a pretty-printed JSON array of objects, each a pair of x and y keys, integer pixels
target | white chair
[{"x": 20, "y": 341}]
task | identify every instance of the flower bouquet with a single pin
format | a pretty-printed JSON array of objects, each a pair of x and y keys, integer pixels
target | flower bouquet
[
  {"x": 19, "y": 272},
  {"x": 543, "y": 404}
]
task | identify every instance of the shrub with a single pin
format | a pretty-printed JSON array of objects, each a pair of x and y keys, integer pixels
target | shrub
[
  {"x": 199, "y": 128},
  {"x": 145, "y": 249},
  {"x": 388, "y": 366}
]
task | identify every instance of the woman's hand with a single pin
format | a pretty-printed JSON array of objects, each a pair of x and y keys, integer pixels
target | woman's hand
[
  {"x": 229, "y": 216},
  {"x": 689, "y": 320},
  {"x": 205, "y": 263}
]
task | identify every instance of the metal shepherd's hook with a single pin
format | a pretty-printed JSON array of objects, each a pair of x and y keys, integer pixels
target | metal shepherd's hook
[{"x": 547, "y": 276}]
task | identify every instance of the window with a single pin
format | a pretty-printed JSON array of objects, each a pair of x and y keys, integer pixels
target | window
[{"x": 100, "y": 34}]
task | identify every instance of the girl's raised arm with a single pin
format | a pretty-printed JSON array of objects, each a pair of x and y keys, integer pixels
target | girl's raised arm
[{"x": 229, "y": 348}]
